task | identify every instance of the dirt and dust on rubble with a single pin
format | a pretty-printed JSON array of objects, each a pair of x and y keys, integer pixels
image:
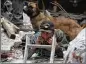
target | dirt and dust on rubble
[{"x": 13, "y": 29}]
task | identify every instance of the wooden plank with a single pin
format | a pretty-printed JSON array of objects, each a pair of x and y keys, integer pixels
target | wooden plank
[
  {"x": 39, "y": 46},
  {"x": 53, "y": 49},
  {"x": 26, "y": 49}
]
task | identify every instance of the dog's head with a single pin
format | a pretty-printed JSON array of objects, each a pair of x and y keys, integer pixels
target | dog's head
[{"x": 31, "y": 9}]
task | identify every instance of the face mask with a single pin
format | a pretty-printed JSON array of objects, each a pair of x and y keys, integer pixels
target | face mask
[{"x": 46, "y": 35}]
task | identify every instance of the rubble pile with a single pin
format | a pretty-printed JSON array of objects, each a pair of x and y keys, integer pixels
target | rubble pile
[
  {"x": 77, "y": 48},
  {"x": 15, "y": 25}
]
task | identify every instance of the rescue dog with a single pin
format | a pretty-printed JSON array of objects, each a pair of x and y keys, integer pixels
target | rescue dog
[
  {"x": 83, "y": 25},
  {"x": 69, "y": 26}
]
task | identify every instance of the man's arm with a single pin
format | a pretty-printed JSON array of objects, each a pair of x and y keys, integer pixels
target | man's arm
[{"x": 61, "y": 37}]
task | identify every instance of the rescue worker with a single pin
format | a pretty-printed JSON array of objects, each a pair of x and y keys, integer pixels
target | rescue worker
[
  {"x": 8, "y": 5},
  {"x": 8, "y": 10},
  {"x": 44, "y": 37}
]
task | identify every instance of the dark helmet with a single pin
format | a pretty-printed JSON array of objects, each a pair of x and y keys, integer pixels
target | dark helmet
[{"x": 47, "y": 26}]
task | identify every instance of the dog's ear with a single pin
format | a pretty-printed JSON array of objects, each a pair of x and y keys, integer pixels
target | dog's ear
[
  {"x": 32, "y": 4},
  {"x": 25, "y": 3}
]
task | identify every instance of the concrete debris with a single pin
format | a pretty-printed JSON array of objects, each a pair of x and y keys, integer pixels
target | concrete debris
[
  {"x": 77, "y": 48},
  {"x": 15, "y": 23},
  {"x": 6, "y": 42},
  {"x": 10, "y": 28},
  {"x": 71, "y": 15},
  {"x": 83, "y": 22}
]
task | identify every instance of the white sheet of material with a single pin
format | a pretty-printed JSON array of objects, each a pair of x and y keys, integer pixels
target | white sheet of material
[
  {"x": 26, "y": 20},
  {"x": 77, "y": 46}
]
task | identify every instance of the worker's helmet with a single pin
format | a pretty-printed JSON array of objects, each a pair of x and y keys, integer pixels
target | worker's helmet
[
  {"x": 47, "y": 26},
  {"x": 8, "y": 2}
]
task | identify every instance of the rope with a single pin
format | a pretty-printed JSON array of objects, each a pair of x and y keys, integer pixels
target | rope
[
  {"x": 57, "y": 4},
  {"x": 43, "y": 5},
  {"x": 37, "y": 5}
]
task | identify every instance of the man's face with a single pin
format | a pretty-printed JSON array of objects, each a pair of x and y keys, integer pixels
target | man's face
[{"x": 45, "y": 35}]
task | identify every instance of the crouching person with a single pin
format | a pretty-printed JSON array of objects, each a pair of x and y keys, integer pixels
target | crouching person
[{"x": 44, "y": 37}]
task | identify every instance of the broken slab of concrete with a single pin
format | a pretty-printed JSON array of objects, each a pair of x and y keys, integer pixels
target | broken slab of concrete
[{"x": 7, "y": 43}]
